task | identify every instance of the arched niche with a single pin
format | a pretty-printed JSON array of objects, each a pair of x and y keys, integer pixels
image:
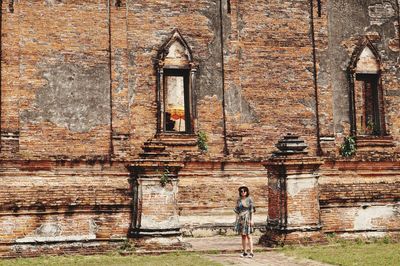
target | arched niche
[
  {"x": 175, "y": 85},
  {"x": 366, "y": 103}
]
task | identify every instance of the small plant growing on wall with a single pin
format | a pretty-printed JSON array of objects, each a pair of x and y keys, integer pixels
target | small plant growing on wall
[
  {"x": 164, "y": 179},
  {"x": 370, "y": 124},
  {"x": 126, "y": 248},
  {"x": 372, "y": 128},
  {"x": 348, "y": 147},
  {"x": 202, "y": 141}
]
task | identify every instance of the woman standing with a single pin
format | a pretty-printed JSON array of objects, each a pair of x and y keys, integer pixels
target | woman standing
[{"x": 244, "y": 220}]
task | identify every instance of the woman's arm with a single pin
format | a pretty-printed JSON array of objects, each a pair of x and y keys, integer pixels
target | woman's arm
[
  {"x": 251, "y": 210},
  {"x": 236, "y": 210}
]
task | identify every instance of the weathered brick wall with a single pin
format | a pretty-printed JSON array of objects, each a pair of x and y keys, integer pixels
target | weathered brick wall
[
  {"x": 78, "y": 87},
  {"x": 259, "y": 85},
  {"x": 303, "y": 208},
  {"x": 121, "y": 94},
  {"x": 270, "y": 50},
  {"x": 62, "y": 90},
  {"x": 147, "y": 30},
  {"x": 349, "y": 22},
  {"x": 9, "y": 84},
  {"x": 158, "y": 205},
  {"x": 208, "y": 192},
  {"x": 68, "y": 202},
  {"x": 360, "y": 197},
  {"x": 321, "y": 15}
]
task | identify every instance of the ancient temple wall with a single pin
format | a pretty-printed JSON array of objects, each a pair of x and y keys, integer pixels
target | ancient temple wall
[
  {"x": 78, "y": 102},
  {"x": 348, "y": 24},
  {"x": 358, "y": 194},
  {"x": 78, "y": 206},
  {"x": 269, "y": 75},
  {"x": 208, "y": 192},
  {"x": 360, "y": 198},
  {"x": 149, "y": 25},
  {"x": 59, "y": 103}
]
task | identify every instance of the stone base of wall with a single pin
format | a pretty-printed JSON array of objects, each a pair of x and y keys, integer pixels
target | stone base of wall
[
  {"x": 217, "y": 230},
  {"x": 123, "y": 246},
  {"x": 360, "y": 199},
  {"x": 73, "y": 207},
  {"x": 285, "y": 237},
  {"x": 368, "y": 235},
  {"x": 15, "y": 250},
  {"x": 159, "y": 243}
]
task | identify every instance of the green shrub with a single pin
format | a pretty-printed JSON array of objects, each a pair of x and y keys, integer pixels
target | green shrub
[
  {"x": 164, "y": 179},
  {"x": 202, "y": 141},
  {"x": 348, "y": 147}
]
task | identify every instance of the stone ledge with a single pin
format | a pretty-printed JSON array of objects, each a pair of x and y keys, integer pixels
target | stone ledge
[{"x": 374, "y": 141}]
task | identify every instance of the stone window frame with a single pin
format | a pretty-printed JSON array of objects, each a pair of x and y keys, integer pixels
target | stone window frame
[
  {"x": 357, "y": 99},
  {"x": 186, "y": 69}
]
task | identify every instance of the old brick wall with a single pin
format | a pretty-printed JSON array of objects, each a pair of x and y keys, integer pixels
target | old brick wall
[
  {"x": 63, "y": 84},
  {"x": 121, "y": 92},
  {"x": 55, "y": 126},
  {"x": 58, "y": 76},
  {"x": 62, "y": 202},
  {"x": 148, "y": 27},
  {"x": 269, "y": 75},
  {"x": 244, "y": 47},
  {"x": 208, "y": 192},
  {"x": 78, "y": 100},
  {"x": 360, "y": 197},
  {"x": 349, "y": 22},
  {"x": 9, "y": 84},
  {"x": 359, "y": 194}
]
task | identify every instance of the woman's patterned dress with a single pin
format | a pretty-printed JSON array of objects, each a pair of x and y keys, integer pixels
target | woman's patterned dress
[{"x": 244, "y": 210}]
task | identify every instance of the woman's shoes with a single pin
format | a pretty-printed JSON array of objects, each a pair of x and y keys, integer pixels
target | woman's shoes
[{"x": 247, "y": 255}]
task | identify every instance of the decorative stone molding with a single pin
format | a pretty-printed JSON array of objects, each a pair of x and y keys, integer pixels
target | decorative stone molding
[
  {"x": 174, "y": 59},
  {"x": 154, "y": 208},
  {"x": 293, "y": 205}
]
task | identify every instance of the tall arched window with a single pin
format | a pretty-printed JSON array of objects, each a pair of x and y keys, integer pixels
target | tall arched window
[
  {"x": 175, "y": 84},
  {"x": 366, "y": 91}
]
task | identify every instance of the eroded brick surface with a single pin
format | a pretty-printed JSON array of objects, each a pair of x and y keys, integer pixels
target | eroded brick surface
[{"x": 78, "y": 102}]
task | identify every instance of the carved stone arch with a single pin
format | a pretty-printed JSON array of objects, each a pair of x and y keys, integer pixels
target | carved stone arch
[
  {"x": 366, "y": 94},
  {"x": 368, "y": 54},
  {"x": 176, "y": 72},
  {"x": 176, "y": 43}
]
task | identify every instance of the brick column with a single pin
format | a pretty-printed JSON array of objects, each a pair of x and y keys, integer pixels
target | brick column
[
  {"x": 293, "y": 204},
  {"x": 154, "y": 206}
]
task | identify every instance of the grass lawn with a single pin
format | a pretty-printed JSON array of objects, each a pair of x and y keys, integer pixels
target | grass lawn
[
  {"x": 350, "y": 253},
  {"x": 338, "y": 252},
  {"x": 178, "y": 259}
]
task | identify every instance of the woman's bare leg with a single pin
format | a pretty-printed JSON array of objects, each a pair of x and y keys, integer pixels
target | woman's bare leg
[
  {"x": 250, "y": 242},
  {"x": 244, "y": 243}
]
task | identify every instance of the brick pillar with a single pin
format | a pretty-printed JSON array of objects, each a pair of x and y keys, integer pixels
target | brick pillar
[
  {"x": 154, "y": 206},
  {"x": 293, "y": 204}
]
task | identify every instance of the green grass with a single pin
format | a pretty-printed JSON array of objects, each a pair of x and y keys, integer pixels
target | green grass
[
  {"x": 178, "y": 259},
  {"x": 338, "y": 252},
  {"x": 350, "y": 253}
]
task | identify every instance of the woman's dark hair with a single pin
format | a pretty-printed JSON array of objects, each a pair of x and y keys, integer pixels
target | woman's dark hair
[{"x": 245, "y": 189}]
